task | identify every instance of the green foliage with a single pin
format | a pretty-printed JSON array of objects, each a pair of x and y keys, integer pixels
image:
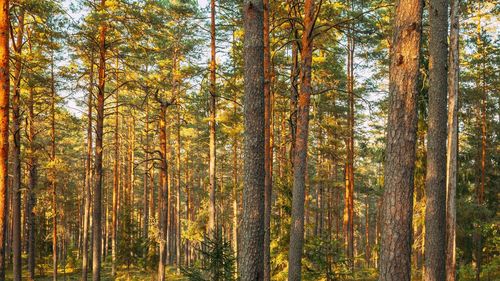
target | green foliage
[
  {"x": 217, "y": 263},
  {"x": 324, "y": 260}
]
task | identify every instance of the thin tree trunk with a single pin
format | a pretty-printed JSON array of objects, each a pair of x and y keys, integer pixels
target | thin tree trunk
[
  {"x": 252, "y": 228},
  {"x": 294, "y": 73},
  {"x": 33, "y": 179},
  {"x": 301, "y": 146},
  {"x": 88, "y": 175},
  {"x": 164, "y": 195},
  {"x": 480, "y": 188},
  {"x": 452, "y": 149},
  {"x": 4, "y": 127},
  {"x": 435, "y": 181},
  {"x": 212, "y": 165},
  {"x": 96, "y": 215},
  {"x": 268, "y": 182},
  {"x": 116, "y": 179},
  {"x": 16, "y": 161},
  {"x": 146, "y": 210},
  {"x": 178, "y": 164},
  {"x": 397, "y": 209},
  {"x": 235, "y": 202},
  {"x": 53, "y": 170},
  {"x": 349, "y": 173}
]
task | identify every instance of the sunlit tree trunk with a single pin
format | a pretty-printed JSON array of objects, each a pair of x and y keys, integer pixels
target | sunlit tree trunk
[
  {"x": 116, "y": 178},
  {"x": 452, "y": 149},
  {"x": 268, "y": 183},
  {"x": 96, "y": 215},
  {"x": 4, "y": 126},
  {"x": 397, "y": 208},
  {"x": 235, "y": 202},
  {"x": 163, "y": 216},
  {"x": 212, "y": 107},
  {"x": 348, "y": 225},
  {"x": 88, "y": 175},
  {"x": 146, "y": 209},
  {"x": 301, "y": 146},
  {"x": 16, "y": 153},
  {"x": 178, "y": 164},
  {"x": 52, "y": 177},
  {"x": 252, "y": 227}
]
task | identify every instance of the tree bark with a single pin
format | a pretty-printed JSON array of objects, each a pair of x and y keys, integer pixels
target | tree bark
[
  {"x": 348, "y": 225},
  {"x": 452, "y": 149},
  {"x": 301, "y": 146},
  {"x": 146, "y": 210},
  {"x": 178, "y": 164},
  {"x": 435, "y": 181},
  {"x": 252, "y": 228},
  {"x": 97, "y": 200},
  {"x": 212, "y": 108},
  {"x": 16, "y": 153},
  {"x": 164, "y": 194},
  {"x": 32, "y": 182},
  {"x": 397, "y": 209},
  {"x": 88, "y": 175},
  {"x": 52, "y": 177},
  {"x": 116, "y": 178},
  {"x": 268, "y": 157},
  {"x": 4, "y": 126}
]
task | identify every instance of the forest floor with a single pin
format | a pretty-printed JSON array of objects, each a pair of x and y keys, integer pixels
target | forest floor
[{"x": 123, "y": 274}]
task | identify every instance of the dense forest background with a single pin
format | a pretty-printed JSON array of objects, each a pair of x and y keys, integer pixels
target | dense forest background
[{"x": 148, "y": 96}]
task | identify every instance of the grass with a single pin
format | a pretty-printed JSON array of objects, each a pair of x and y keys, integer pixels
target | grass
[{"x": 123, "y": 274}]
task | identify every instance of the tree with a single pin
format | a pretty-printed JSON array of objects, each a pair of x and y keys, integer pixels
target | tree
[
  {"x": 349, "y": 167},
  {"x": 395, "y": 251},
  {"x": 88, "y": 173},
  {"x": 301, "y": 147},
  {"x": 435, "y": 182},
  {"x": 4, "y": 125},
  {"x": 268, "y": 150},
  {"x": 97, "y": 206},
  {"x": 53, "y": 160},
  {"x": 452, "y": 143},
  {"x": 252, "y": 228},
  {"x": 212, "y": 109},
  {"x": 16, "y": 159}
]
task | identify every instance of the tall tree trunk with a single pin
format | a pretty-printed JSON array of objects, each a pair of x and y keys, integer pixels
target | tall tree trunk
[
  {"x": 146, "y": 210},
  {"x": 435, "y": 181},
  {"x": 300, "y": 155},
  {"x": 294, "y": 75},
  {"x": 235, "y": 202},
  {"x": 268, "y": 158},
  {"x": 116, "y": 178},
  {"x": 32, "y": 182},
  {"x": 252, "y": 228},
  {"x": 178, "y": 164},
  {"x": 482, "y": 163},
  {"x": 452, "y": 149},
  {"x": 397, "y": 209},
  {"x": 16, "y": 153},
  {"x": 4, "y": 126},
  {"x": 164, "y": 194},
  {"x": 53, "y": 169},
  {"x": 349, "y": 173},
  {"x": 96, "y": 215},
  {"x": 212, "y": 165},
  {"x": 88, "y": 175}
]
